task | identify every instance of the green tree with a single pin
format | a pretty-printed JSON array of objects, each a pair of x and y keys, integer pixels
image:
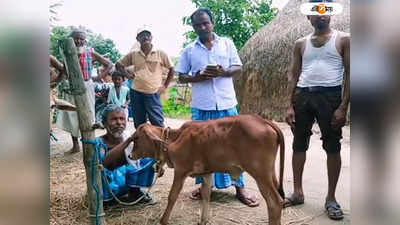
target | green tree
[
  {"x": 57, "y": 34},
  {"x": 101, "y": 45},
  {"x": 237, "y": 19},
  {"x": 104, "y": 47}
]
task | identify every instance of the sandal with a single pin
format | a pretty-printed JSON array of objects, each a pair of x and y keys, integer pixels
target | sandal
[
  {"x": 293, "y": 201},
  {"x": 334, "y": 210}
]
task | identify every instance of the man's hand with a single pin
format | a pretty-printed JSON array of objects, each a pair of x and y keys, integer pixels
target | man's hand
[
  {"x": 339, "y": 118},
  {"x": 290, "y": 117},
  {"x": 201, "y": 76},
  {"x": 214, "y": 71},
  {"x": 130, "y": 75}
]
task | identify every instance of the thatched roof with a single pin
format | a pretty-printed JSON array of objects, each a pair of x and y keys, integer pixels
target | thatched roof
[{"x": 261, "y": 88}]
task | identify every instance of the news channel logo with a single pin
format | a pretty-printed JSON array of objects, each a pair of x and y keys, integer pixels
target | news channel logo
[{"x": 321, "y": 9}]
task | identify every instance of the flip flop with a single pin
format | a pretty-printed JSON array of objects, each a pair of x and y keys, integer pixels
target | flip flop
[
  {"x": 292, "y": 201},
  {"x": 248, "y": 200},
  {"x": 334, "y": 210}
]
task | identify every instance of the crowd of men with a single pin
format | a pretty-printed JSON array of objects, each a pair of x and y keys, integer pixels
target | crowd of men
[{"x": 318, "y": 92}]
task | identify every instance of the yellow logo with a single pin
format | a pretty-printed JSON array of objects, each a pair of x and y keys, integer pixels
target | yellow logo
[
  {"x": 317, "y": 9},
  {"x": 321, "y": 9}
]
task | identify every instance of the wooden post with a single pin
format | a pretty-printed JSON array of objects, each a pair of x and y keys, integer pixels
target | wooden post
[{"x": 86, "y": 120}]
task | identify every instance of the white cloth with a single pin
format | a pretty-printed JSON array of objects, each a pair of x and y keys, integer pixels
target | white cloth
[
  {"x": 68, "y": 120},
  {"x": 321, "y": 66}
]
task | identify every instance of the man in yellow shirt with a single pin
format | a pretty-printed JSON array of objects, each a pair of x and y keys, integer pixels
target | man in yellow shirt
[{"x": 148, "y": 64}]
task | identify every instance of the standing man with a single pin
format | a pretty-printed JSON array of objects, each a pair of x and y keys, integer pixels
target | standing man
[
  {"x": 147, "y": 65},
  {"x": 68, "y": 121},
  {"x": 209, "y": 64},
  {"x": 320, "y": 61}
]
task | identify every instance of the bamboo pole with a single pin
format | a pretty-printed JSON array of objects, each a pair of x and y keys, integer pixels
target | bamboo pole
[{"x": 86, "y": 119}]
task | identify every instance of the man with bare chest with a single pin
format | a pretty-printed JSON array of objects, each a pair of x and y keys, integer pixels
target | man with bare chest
[{"x": 319, "y": 73}]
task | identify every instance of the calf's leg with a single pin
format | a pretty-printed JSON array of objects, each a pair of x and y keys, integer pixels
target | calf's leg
[
  {"x": 205, "y": 194},
  {"x": 269, "y": 191},
  {"x": 176, "y": 188}
]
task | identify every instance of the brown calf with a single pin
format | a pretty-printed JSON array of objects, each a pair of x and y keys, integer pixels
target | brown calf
[{"x": 230, "y": 145}]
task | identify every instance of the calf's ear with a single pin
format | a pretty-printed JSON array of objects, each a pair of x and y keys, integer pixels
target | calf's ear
[{"x": 154, "y": 138}]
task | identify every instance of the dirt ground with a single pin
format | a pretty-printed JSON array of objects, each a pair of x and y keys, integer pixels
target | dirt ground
[{"x": 68, "y": 189}]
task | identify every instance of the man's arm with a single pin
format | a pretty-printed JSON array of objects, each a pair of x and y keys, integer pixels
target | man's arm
[
  {"x": 185, "y": 66},
  {"x": 105, "y": 62},
  {"x": 186, "y": 78},
  {"x": 293, "y": 77},
  {"x": 170, "y": 76},
  {"x": 235, "y": 66},
  {"x": 233, "y": 71},
  {"x": 346, "y": 61},
  {"x": 122, "y": 69},
  {"x": 339, "y": 116},
  {"x": 58, "y": 66},
  {"x": 116, "y": 157},
  {"x": 219, "y": 71}
]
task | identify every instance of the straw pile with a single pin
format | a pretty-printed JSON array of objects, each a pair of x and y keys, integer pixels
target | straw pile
[{"x": 262, "y": 86}]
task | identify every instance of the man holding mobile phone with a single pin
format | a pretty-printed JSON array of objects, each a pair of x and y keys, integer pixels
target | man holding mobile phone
[{"x": 209, "y": 64}]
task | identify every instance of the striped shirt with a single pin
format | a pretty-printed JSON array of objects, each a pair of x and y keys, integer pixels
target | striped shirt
[{"x": 86, "y": 62}]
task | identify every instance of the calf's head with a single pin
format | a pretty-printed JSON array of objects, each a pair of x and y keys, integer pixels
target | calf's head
[{"x": 147, "y": 142}]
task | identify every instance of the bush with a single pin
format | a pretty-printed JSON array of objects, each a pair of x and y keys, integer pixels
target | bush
[{"x": 172, "y": 108}]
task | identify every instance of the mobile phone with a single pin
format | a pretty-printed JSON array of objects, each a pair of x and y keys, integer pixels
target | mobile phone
[{"x": 213, "y": 66}]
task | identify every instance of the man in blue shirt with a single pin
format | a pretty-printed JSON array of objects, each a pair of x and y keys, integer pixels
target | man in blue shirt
[{"x": 209, "y": 64}]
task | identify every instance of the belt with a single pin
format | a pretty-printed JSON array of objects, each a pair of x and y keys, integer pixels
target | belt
[{"x": 320, "y": 88}]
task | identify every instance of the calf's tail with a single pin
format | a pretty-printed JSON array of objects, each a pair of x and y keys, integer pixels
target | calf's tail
[{"x": 281, "y": 142}]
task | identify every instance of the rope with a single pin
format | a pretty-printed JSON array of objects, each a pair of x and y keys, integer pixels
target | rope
[
  {"x": 97, "y": 144},
  {"x": 137, "y": 200}
]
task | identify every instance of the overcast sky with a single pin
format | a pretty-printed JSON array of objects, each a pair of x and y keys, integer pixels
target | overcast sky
[{"x": 120, "y": 19}]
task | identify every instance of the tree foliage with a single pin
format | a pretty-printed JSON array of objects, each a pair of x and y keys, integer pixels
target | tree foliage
[
  {"x": 57, "y": 34},
  {"x": 236, "y": 19},
  {"x": 103, "y": 46}
]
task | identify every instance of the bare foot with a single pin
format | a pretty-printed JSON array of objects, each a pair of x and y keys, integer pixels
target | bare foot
[{"x": 246, "y": 198}]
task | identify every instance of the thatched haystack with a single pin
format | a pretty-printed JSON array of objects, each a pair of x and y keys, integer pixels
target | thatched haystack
[{"x": 262, "y": 86}]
